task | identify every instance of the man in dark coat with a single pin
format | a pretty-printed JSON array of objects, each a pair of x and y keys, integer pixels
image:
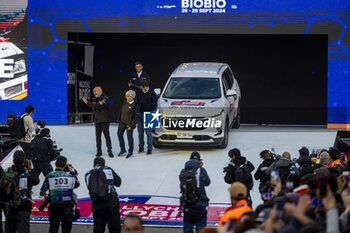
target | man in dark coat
[
  {"x": 100, "y": 106},
  {"x": 284, "y": 166},
  {"x": 147, "y": 101},
  {"x": 43, "y": 153},
  {"x": 237, "y": 161},
  {"x": 261, "y": 173},
  {"x": 304, "y": 164},
  {"x": 19, "y": 217},
  {"x": 127, "y": 119},
  {"x": 106, "y": 211},
  {"x": 139, "y": 75},
  {"x": 195, "y": 215}
]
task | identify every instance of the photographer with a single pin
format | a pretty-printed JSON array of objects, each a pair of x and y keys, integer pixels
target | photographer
[
  {"x": 29, "y": 127},
  {"x": 19, "y": 203},
  {"x": 43, "y": 153},
  {"x": 61, "y": 183},
  {"x": 195, "y": 178}
]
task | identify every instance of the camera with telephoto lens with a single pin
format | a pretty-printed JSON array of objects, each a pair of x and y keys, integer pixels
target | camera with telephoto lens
[{"x": 40, "y": 126}]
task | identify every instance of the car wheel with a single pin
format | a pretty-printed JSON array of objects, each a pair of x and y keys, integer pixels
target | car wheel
[
  {"x": 224, "y": 143},
  {"x": 237, "y": 120}
]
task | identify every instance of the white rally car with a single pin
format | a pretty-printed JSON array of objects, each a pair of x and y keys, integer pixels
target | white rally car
[
  {"x": 15, "y": 86},
  {"x": 199, "y": 105}
]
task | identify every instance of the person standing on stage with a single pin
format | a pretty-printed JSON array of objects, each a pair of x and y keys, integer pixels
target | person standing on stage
[
  {"x": 138, "y": 76},
  {"x": 100, "y": 106},
  {"x": 127, "y": 119},
  {"x": 147, "y": 101}
]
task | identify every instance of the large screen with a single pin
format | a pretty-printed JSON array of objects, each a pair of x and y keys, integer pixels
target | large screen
[
  {"x": 50, "y": 21},
  {"x": 13, "y": 50}
]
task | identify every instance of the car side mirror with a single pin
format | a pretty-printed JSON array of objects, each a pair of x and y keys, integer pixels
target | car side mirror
[
  {"x": 157, "y": 91},
  {"x": 231, "y": 93}
]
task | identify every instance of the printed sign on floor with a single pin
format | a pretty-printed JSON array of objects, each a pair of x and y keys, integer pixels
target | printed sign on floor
[{"x": 154, "y": 210}]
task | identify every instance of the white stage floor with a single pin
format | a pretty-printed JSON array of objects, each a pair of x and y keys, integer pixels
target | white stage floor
[{"x": 157, "y": 174}]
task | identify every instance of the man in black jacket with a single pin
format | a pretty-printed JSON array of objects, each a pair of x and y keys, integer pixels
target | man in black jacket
[
  {"x": 261, "y": 174},
  {"x": 139, "y": 75},
  {"x": 18, "y": 218},
  {"x": 106, "y": 211},
  {"x": 237, "y": 161},
  {"x": 304, "y": 163},
  {"x": 42, "y": 154},
  {"x": 127, "y": 119},
  {"x": 100, "y": 106},
  {"x": 147, "y": 101}
]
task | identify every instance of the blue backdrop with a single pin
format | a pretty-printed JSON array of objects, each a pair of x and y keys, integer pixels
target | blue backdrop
[{"x": 50, "y": 21}]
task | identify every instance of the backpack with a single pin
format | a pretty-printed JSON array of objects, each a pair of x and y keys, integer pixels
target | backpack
[
  {"x": 98, "y": 185},
  {"x": 9, "y": 191},
  {"x": 190, "y": 192},
  {"x": 243, "y": 175},
  {"x": 16, "y": 127},
  {"x": 306, "y": 168},
  {"x": 283, "y": 173}
]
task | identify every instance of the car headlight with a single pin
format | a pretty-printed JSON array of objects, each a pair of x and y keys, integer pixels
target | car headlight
[
  {"x": 19, "y": 66},
  {"x": 216, "y": 114}
]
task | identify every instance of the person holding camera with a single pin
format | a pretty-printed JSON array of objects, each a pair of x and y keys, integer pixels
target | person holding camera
[
  {"x": 239, "y": 169},
  {"x": 101, "y": 182},
  {"x": 43, "y": 153},
  {"x": 100, "y": 106},
  {"x": 61, "y": 183},
  {"x": 261, "y": 173},
  {"x": 194, "y": 200},
  {"x": 29, "y": 127},
  {"x": 19, "y": 203}
]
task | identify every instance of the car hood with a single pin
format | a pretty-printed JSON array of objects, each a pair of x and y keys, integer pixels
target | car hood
[
  {"x": 190, "y": 107},
  {"x": 8, "y": 49}
]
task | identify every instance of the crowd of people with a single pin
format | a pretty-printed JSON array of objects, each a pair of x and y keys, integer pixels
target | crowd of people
[{"x": 307, "y": 194}]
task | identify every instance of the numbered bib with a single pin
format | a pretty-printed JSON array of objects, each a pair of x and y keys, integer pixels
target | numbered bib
[{"x": 61, "y": 187}]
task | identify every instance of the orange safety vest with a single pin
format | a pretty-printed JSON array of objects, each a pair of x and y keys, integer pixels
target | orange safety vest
[
  {"x": 336, "y": 162},
  {"x": 235, "y": 212}
]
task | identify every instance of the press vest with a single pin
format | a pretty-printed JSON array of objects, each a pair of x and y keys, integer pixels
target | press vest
[
  {"x": 235, "y": 212},
  {"x": 61, "y": 185}
]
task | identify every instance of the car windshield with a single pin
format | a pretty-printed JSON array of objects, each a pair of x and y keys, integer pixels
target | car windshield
[{"x": 193, "y": 88}]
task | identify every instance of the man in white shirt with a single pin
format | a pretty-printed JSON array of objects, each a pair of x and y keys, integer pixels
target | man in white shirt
[{"x": 29, "y": 127}]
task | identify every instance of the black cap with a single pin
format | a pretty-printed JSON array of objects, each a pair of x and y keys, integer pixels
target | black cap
[
  {"x": 304, "y": 151},
  {"x": 234, "y": 152},
  {"x": 45, "y": 132},
  {"x": 19, "y": 157},
  {"x": 195, "y": 155},
  {"x": 99, "y": 160}
]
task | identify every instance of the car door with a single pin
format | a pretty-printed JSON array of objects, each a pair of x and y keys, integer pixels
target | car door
[{"x": 230, "y": 99}]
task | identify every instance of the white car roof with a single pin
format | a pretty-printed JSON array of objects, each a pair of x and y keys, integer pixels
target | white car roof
[{"x": 199, "y": 70}]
